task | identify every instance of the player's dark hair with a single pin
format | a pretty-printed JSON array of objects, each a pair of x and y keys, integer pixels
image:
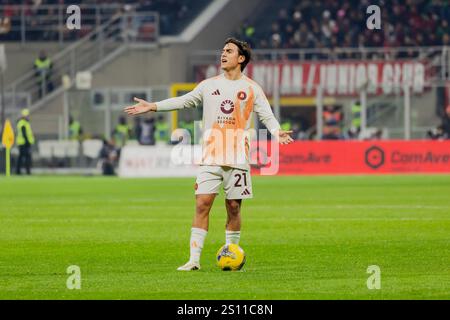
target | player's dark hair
[{"x": 244, "y": 50}]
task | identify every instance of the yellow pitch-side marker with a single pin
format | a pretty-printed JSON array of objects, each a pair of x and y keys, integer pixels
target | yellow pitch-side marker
[{"x": 8, "y": 142}]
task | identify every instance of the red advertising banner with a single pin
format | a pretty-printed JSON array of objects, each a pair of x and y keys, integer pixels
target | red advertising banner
[
  {"x": 337, "y": 78},
  {"x": 357, "y": 157}
]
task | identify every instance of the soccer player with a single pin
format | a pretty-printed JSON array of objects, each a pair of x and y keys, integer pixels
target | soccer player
[{"x": 228, "y": 101}]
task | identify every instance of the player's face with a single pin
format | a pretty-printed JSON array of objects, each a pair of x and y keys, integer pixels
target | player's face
[{"x": 230, "y": 57}]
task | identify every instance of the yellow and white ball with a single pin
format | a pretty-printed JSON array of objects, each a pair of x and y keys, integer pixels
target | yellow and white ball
[{"x": 230, "y": 257}]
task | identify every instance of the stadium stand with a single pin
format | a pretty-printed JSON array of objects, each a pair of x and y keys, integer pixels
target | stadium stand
[
  {"x": 299, "y": 31},
  {"x": 42, "y": 20},
  {"x": 331, "y": 24}
]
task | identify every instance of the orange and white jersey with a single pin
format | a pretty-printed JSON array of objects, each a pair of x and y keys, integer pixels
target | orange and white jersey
[{"x": 227, "y": 109}]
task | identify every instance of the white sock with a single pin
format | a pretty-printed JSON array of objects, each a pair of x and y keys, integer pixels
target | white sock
[
  {"x": 232, "y": 237},
  {"x": 197, "y": 239}
]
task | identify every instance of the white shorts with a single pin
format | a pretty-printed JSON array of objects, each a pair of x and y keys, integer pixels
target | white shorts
[{"x": 237, "y": 183}]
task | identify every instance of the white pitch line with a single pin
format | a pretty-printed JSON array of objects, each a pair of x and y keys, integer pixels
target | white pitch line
[
  {"x": 279, "y": 219},
  {"x": 351, "y": 206}
]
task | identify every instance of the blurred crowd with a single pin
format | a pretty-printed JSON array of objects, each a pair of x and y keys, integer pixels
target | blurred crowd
[
  {"x": 41, "y": 20},
  {"x": 144, "y": 131},
  {"x": 340, "y": 125},
  {"x": 442, "y": 131},
  {"x": 342, "y": 23},
  {"x": 149, "y": 131}
]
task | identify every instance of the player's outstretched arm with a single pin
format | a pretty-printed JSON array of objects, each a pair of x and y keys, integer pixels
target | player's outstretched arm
[
  {"x": 140, "y": 107},
  {"x": 265, "y": 114},
  {"x": 189, "y": 100}
]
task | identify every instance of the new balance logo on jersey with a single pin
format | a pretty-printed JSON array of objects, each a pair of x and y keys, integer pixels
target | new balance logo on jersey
[
  {"x": 216, "y": 93},
  {"x": 245, "y": 192}
]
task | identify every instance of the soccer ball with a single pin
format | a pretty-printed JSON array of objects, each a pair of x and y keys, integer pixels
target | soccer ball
[{"x": 230, "y": 257}]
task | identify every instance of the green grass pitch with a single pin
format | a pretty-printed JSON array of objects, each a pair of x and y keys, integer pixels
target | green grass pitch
[{"x": 305, "y": 238}]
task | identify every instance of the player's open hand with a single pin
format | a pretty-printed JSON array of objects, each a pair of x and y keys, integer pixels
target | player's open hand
[
  {"x": 140, "y": 107},
  {"x": 284, "y": 137}
]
